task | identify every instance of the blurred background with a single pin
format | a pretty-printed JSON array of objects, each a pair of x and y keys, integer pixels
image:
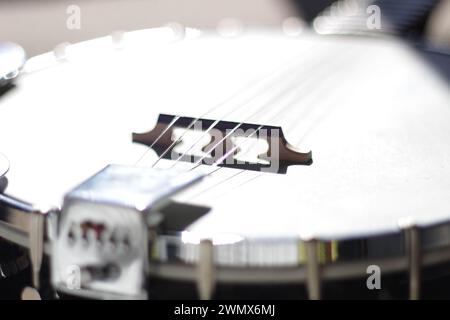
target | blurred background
[{"x": 40, "y": 25}]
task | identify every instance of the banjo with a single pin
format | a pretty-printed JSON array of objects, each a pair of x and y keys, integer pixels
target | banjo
[{"x": 152, "y": 157}]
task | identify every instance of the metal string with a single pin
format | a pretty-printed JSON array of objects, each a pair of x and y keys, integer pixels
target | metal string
[
  {"x": 235, "y": 175},
  {"x": 298, "y": 118},
  {"x": 199, "y": 162},
  {"x": 253, "y": 83},
  {"x": 157, "y": 139},
  {"x": 261, "y": 110}
]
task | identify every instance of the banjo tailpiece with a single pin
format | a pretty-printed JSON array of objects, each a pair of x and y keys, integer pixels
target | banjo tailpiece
[{"x": 101, "y": 248}]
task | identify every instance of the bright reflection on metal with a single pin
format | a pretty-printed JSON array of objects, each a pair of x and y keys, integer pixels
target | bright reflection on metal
[
  {"x": 4, "y": 165},
  {"x": 218, "y": 239},
  {"x": 12, "y": 59}
]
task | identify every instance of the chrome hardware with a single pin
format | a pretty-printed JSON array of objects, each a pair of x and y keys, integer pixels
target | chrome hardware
[
  {"x": 413, "y": 252},
  {"x": 12, "y": 60},
  {"x": 24, "y": 224},
  {"x": 101, "y": 249},
  {"x": 313, "y": 280},
  {"x": 414, "y": 257},
  {"x": 205, "y": 270},
  {"x": 30, "y": 294},
  {"x": 37, "y": 234},
  {"x": 4, "y": 165}
]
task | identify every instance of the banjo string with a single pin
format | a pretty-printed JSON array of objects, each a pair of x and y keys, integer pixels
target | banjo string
[
  {"x": 157, "y": 139},
  {"x": 286, "y": 68},
  {"x": 301, "y": 116},
  {"x": 266, "y": 105},
  {"x": 211, "y": 127},
  {"x": 297, "y": 93},
  {"x": 336, "y": 95}
]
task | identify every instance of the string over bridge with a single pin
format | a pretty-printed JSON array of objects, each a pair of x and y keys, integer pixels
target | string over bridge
[{"x": 222, "y": 143}]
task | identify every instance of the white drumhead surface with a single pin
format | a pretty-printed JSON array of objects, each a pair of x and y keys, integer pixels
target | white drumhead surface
[{"x": 375, "y": 116}]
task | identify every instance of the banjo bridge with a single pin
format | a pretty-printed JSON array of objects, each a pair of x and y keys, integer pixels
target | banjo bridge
[{"x": 229, "y": 144}]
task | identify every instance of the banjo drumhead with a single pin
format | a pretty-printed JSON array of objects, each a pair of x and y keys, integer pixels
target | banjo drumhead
[{"x": 373, "y": 113}]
